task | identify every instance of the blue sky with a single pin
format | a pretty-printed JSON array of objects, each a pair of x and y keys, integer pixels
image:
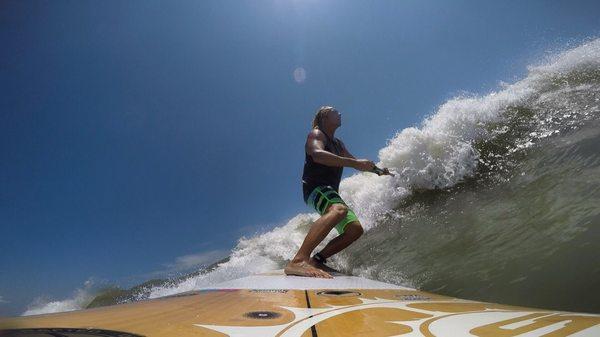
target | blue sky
[{"x": 135, "y": 135}]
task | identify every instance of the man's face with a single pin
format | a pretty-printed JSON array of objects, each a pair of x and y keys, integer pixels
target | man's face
[{"x": 334, "y": 117}]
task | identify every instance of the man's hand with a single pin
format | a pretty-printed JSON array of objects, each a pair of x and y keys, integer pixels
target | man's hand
[
  {"x": 363, "y": 165},
  {"x": 383, "y": 172}
]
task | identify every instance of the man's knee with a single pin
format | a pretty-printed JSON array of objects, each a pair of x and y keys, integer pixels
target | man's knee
[
  {"x": 360, "y": 231},
  {"x": 355, "y": 229},
  {"x": 340, "y": 210}
]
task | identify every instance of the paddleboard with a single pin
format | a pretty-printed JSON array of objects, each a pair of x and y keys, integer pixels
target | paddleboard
[{"x": 273, "y": 304}]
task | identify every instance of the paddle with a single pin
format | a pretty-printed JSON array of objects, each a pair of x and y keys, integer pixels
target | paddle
[{"x": 382, "y": 171}]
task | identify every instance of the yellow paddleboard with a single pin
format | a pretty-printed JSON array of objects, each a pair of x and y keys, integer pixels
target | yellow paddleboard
[{"x": 272, "y": 304}]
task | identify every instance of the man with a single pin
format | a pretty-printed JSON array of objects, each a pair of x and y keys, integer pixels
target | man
[{"x": 325, "y": 158}]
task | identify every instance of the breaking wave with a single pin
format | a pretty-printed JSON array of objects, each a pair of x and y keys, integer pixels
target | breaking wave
[{"x": 497, "y": 196}]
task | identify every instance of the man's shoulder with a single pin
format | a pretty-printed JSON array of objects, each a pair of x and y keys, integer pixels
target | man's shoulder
[{"x": 316, "y": 133}]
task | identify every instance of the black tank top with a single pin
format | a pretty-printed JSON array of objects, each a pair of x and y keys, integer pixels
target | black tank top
[{"x": 316, "y": 174}]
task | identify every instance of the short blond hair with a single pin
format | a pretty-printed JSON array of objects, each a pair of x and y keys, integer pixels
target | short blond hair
[{"x": 316, "y": 123}]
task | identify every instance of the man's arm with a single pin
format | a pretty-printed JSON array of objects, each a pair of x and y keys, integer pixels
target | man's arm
[
  {"x": 378, "y": 171},
  {"x": 315, "y": 147}
]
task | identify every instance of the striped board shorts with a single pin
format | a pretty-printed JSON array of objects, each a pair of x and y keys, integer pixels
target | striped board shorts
[{"x": 324, "y": 196}]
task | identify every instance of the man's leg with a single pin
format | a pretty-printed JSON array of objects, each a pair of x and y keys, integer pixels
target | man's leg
[
  {"x": 352, "y": 232},
  {"x": 318, "y": 231}
]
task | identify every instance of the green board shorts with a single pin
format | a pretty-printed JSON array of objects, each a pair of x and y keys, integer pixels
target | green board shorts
[{"x": 324, "y": 196}]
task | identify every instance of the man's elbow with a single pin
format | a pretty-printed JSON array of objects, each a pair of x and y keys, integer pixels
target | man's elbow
[
  {"x": 317, "y": 157},
  {"x": 322, "y": 157}
]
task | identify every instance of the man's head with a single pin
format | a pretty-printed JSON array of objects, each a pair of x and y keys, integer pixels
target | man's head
[{"x": 327, "y": 117}]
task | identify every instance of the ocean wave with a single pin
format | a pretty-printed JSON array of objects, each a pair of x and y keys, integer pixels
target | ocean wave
[
  {"x": 79, "y": 300},
  {"x": 468, "y": 137}
]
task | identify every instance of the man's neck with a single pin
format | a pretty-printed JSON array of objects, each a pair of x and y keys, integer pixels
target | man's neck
[{"x": 329, "y": 132}]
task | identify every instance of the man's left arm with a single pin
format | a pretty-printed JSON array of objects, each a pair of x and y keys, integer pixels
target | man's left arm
[{"x": 378, "y": 171}]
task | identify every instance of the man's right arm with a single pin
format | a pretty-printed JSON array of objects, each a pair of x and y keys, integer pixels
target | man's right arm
[{"x": 315, "y": 147}]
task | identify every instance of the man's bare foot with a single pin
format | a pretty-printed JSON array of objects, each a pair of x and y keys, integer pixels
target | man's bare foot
[
  {"x": 303, "y": 268},
  {"x": 322, "y": 266}
]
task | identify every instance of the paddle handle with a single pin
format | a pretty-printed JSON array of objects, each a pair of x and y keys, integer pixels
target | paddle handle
[{"x": 382, "y": 171}]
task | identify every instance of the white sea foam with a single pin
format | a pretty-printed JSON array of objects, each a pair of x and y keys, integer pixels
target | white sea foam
[
  {"x": 81, "y": 297},
  {"x": 251, "y": 255},
  {"x": 441, "y": 152}
]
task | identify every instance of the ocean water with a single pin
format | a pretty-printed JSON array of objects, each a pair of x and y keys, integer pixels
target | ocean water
[{"x": 497, "y": 199}]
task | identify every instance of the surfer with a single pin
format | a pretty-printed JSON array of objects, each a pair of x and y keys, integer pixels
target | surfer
[{"x": 325, "y": 158}]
